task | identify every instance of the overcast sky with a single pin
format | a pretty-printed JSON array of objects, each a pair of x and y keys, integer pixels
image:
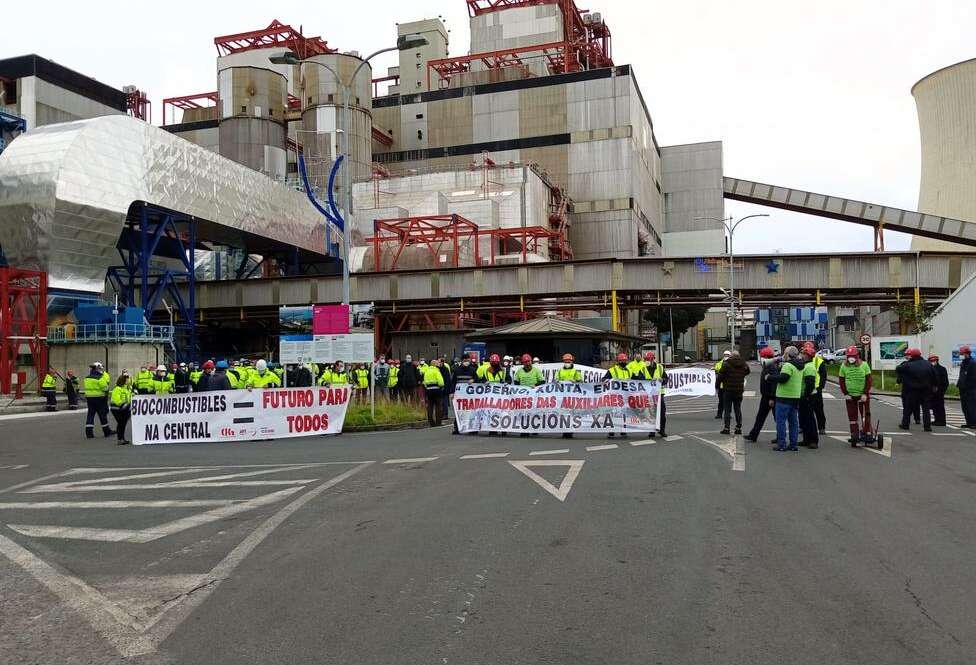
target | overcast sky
[{"x": 809, "y": 95}]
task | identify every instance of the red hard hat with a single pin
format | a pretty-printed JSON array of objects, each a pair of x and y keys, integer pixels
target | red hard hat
[
  {"x": 767, "y": 352},
  {"x": 494, "y": 358},
  {"x": 208, "y": 365},
  {"x": 852, "y": 352},
  {"x": 809, "y": 349},
  {"x": 526, "y": 358},
  {"x": 567, "y": 357},
  {"x": 914, "y": 353},
  {"x": 621, "y": 357},
  {"x": 649, "y": 355},
  {"x": 965, "y": 349},
  {"x": 933, "y": 358}
]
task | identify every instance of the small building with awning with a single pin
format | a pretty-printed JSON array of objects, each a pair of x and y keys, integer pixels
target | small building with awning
[{"x": 549, "y": 337}]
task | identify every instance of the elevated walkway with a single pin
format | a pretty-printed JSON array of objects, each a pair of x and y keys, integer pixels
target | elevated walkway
[{"x": 848, "y": 210}]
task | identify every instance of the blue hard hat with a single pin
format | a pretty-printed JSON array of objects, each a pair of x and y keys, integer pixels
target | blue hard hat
[{"x": 222, "y": 364}]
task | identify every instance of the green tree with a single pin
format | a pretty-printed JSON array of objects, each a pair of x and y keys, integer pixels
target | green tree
[
  {"x": 913, "y": 319},
  {"x": 685, "y": 316}
]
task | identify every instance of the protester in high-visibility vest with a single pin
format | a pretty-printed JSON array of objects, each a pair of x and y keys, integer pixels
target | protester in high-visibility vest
[
  {"x": 162, "y": 384},
  {"x": 49, "y": 388},
  {"x": 569, "y": 373},
  {"x": 433, "y": 381},
  {"x": 807, "y": 414},
  {"x": 651, "y": 370},
  {"x": 817, "y": 398},
  {"x": 393, "y": 379},
  {"x": 120, "y": 402},
  {"x": 855, "y": 383},
  {"x": 195, "y": 374},
  {"x": 789, "y": 390},
  {"x": 144, "y": 381},
  {"x": 96, "y": 395},
  {"x": 338, "y": 376},
  {"x": 618, "y": 372},
  {"x": 635, "y": 365},
  {"x": 719, "y": 392},
  {"x": 262, "y": 377},
  {"x": 360, "y": 377}
]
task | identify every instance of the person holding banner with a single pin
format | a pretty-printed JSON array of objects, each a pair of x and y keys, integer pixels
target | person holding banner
[
  {"x": 650, "y": 370},
  {"x": 262, "y": 377},
  {"x": 618, "y": 372},
  {"x": 49, "y": 388},
  {"x": 767, "y": 392},
  {"x": 528, "y": 375},
  {"x": 568, "y": 373},
  {"x": 144, "y": 380},
  {"x": 96, "y": 395},
  {"x": 216, "y": 377},
  {"x": 120, "y": 402}
]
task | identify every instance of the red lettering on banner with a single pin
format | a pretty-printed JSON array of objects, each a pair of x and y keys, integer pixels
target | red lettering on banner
[
  {"x": 638, "y": 401},
  {"x": 308, "y": 423},
  {"x": 545, "y": 403},
  {"x": 287, "y": 398},
  {"x": 333, "y": 396}
]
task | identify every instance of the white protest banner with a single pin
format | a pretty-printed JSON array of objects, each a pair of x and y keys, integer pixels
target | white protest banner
[
  {"x": 690, "y": 382},
  {"x": 554, "y": 408},
  {"x": 590, "y": 374},
  {"x": 238, "y": 415}
]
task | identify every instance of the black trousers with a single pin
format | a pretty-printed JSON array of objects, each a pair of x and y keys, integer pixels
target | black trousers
[
  {"x": 664, "y": 416},
  {"x": 915, "y": 401},
  {"x": 761, "y": 415},
  {"x": 51, "y": 395},
  {"x": 97, "y": 406},
  {"x": 937, "y": 404},
  {"x": 434, "y": 415},
  {"x": 732, "y": 402},
  {"x": 967, "y": 400},
  {"x": 121, "y": 416},
  {"x": 721, "y": 403},
  {"x": 818, "y": 409},
  {"x": 808, "y": 421}
]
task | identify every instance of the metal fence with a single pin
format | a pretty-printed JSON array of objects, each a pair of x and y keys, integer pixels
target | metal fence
[{"x": 109, "y": 332}]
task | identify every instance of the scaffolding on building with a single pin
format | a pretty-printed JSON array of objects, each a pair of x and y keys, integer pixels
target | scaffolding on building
[
  {"x": 586, "y": 44},
  {"x": 188, "y": 102},
  {"x": 277, "y": 34},
  {"x": 23, "y": 322}
]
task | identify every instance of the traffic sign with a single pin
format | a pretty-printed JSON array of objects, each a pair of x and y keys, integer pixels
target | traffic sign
[{"x": 865, "y": 339}]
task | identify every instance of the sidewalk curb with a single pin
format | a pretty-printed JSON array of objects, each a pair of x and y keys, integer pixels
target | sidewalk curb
[{"x": 420, "y": 424}]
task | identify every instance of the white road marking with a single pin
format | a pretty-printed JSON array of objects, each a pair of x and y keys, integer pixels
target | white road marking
[
  {"x": 827, "y": 395},
  {"x": 155, "y": 532},
  {"x": 609, "y": 446},
  {"x": 415, "y": 460},
  {"x": 565, "y": 485},
  {"x": 157, "y": 486},
  {"x": 129, "y": 635},
  {"x": 181, "y": 503},
  {"x": 966, "y": 432},
  {"x": 722, "y": 449},
  {"x": 39, "y": 414},
  {"x": 561, "y": 451},
  {"x": 749, "y": 393},
  {"x": 648, "y": 442},
  {"x": 485, "y": 456},
  {"x": 27, "y": 483},
  {"x": 948, "y": 434},
  {"x": 674, "y": 437},
  {"x": 14, "y": 467},
  {"x": 885, "y": 452}
]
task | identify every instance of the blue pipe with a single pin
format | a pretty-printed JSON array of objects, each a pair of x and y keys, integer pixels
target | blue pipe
[{"x": 337, "y": 220}]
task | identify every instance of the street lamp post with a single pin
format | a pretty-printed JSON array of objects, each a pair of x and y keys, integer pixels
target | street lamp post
[
  {"x": 404, "y": 42},
  {"x": 731, "y": 226}
]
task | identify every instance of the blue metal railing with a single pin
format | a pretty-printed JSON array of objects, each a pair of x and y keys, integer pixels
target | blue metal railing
[{"x": 110, "y": 333}]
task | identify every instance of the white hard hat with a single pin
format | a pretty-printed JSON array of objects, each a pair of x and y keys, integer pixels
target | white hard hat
[
  {"x": 161, "y": 368},
  {"x": 96, "y": 364},
  {"x": 261, "y": 365},
  {"x": 726, "y": 353}
]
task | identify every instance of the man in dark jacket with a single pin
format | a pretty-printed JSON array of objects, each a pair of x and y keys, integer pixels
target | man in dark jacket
[
  {"x": 215, "y": 377},
  {"x": 181, "y": 379},
  {"x": 448, "y": 392},
  {"x": 767, "y": 392},
  {"x": 918, "y": 381},
  {"x": 967, "y": 385},
  {"x": 409, "y": 378},
  {"x": 732, "y": 378},
  {"x": 807, "y": 409},
  {"x": 938, "y": 396}
]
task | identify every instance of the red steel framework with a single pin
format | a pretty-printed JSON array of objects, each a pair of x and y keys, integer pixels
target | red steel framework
[
  {"x": 276, "y": 34},
  {"x": 23, "y": 321},
  {"x": 188, "y": 102},
  {"x": 138, "y": 105},
  {"x": 585, "y": 45},
  {"x": 434, "y": 231}
]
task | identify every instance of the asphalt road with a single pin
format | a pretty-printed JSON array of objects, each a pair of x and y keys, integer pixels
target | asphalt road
[{"x": 400, "y": 548}]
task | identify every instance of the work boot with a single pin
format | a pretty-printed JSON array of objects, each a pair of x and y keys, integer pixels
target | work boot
[
  {"x": 904, "y": 427},
  {"x": 750, "y": 437},
  {"x": 663, "y": 434},
  {"x": 523, "y": 436},
  {"x": 926, "y": 429},
  {"x": 651, "y": 435},
  {"x": 611, "y": 435},
  {"x": 813, "y": 446},
  {"x": 123, "y": 442},
  {"x": 89, "y": 432},
  {"x": 107, "y": 431},
  {"x": 725, "y": 431},
  {"x": 718, "y": 416},
  {"x": 738, "y": 430},
  {"x": 568, "y": 435}
]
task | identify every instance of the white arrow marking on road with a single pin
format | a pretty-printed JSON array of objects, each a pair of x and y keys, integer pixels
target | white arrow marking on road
[{"x": 560, "y": 492}]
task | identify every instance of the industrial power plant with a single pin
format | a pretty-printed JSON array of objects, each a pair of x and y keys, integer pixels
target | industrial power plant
[{"x": 447, "y": 194}]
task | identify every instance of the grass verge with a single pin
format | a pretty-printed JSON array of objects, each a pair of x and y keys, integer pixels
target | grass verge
[{"x": 387, "y": 413}]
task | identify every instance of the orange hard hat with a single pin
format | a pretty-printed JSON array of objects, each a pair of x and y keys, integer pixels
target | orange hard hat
[
  {"x": 567, "y": 357},
  {"x": 649, "y": 355},
  {"x": 526, "y": 358},
  {"x": 621, "y": 357}
]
